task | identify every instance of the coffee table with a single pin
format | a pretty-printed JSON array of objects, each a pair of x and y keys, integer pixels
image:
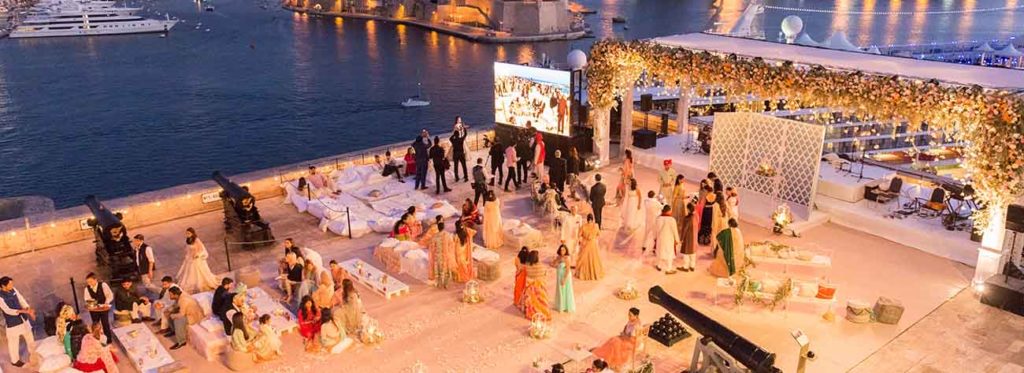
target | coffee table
[
  {"x": 142, "y": 348},
  {"x": 373, "y": 278}
]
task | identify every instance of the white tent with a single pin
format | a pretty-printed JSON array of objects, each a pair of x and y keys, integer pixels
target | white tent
[
  {"x": 839, "y": 41},
  {"x": 1009, "y": 51},
  {"x": 805, "y": 39},
  {"x": 984, "y": 48},
  {"x": 874, "y": 50}
]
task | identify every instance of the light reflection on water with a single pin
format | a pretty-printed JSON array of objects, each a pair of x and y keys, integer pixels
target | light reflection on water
[{"x": 271, "y": 87}]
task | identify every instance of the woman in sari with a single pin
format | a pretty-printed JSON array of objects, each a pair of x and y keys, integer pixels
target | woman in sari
[
  {"x": 94, "y": 356},
  {"x": 350, "y": 308},
  {"x": 410, "y": 161},
  {"x": 709, "y": 214},
  {"x": 493, "y": 235},
  {"x": 267, "y": 345},
  {"x": 688, "y": 247},
  {"x": 332, "y": 333},
  {"x": 414, "y": 223},
  {"x": 309, "y": 324},
  {"x": 618, "y": 350},
  {"x": 520, "y": 285},
  {"x": 565, "y": 301},
  {"x": 442, "y": 257},
  {"x": 535, "y": 294},
  {"x": 678, "y": 201},
  {"x": 470, "y": 214},
  {"x": 401, "y": 230},
  {"x": 309, "y": 279},
  {"x": 324, "y": 294},
  {"x": 195, "y": 276},
  {"x": 588, "y": 265},
  {"x": 731, "y": 258},
  {"x": 464, "y": 270}
]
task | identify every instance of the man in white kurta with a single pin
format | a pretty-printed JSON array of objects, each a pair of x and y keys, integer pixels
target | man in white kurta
[
  {"x": 668, "y": 240},
  {"x": 570, "y": 231},
  {"x": 652, "y": 209}
]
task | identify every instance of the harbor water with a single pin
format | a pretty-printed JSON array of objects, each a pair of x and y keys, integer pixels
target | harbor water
[{"x": 251, "y": 86}]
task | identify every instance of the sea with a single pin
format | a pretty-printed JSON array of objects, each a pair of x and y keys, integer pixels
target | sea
[{"x": 250, "y": 86}]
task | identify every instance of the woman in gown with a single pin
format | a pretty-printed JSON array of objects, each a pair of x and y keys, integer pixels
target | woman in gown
[
  {"x": 588, "y": 265},
  {"x": 195, "y": 275},
  {"x": 442, "y": 257},
  {"x": 520, "y": 285},
  {"x": 633, "y": 227},
  {"x": 350, "y": 308},
  {"x": 464, "y": 269},
  {"x": 618, "y": 350},
  {"x": 565, "y": 301},
  {"x": 535, "y": 294},
  {"x": 267, "y": 345},
  {"x": 731, "y": 258},
  {"x": 678, "y": 201},
  {"x": 93, "y": 355},
  {"x": 688, "y": 247},
  {"x": 309, "y": 324},
  {"x": 627, "y": 175},
  {"x": 493, "y": 235}
]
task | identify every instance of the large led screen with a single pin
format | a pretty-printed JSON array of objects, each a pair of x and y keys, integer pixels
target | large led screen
[{"x": 527, "y": 96}]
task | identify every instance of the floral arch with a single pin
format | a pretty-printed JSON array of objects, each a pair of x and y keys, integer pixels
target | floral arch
[{"x": 989, "y": 122}]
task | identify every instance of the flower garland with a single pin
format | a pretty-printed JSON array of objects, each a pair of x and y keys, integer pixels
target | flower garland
[{"x": 989, "y": 122}]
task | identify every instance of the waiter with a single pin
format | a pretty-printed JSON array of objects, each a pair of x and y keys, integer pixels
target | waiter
[
  {"x": 98, "y": 299},
  {"x": 145, "y": 261}
]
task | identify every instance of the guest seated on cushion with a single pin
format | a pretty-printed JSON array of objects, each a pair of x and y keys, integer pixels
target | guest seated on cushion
[
  {"x": 401, "y": 230},
  {"x": 332, "y": 333},
  {"x": 267, "y": 344},
  {"x": 390, "y": 167},
  {"x": 431, "y": 231},
  {"x": 128, "y": 302},
  {"x": 321, "y": 182},
  {"x": 292, "y": 277},
  {"x": 415, "y": 226},
  {"x": 337, "y": 274},
  {"x": 309, "y": 324},
  {"x": 241, "y": 356},
  {"x": 470, "y": 214},
  {"x": 94, "y": 355}
]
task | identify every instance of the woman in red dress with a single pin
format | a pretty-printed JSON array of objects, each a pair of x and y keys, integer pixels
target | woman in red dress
[
  {"x": 93, "y": 355},
  {"x": 309, "y": 324},
  {"x": 524, "y": 256},
  {"x": 470, "y": 214},
  {"x": 401, "y": 230},
  {"x": 410, "y": 161}
]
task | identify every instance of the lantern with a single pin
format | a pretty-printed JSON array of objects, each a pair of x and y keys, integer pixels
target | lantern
[
  {"x": 471, "y": 294},
  {"x": 781, "y": 218},
  {"x": 628, "y": 292},
  {"x": 539, "y": 327}
]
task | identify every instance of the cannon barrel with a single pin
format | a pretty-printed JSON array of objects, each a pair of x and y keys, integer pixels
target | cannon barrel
[
  {"x": 101, "y": 214},
  {"x": 231, "y": 190},
  {"x": 746, "y": 352}
]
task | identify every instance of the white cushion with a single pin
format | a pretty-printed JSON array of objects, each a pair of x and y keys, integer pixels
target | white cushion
[
  {"x": 54, "y": 363},
  {"x": 406, "y": 246},
  {"x": 389, "y": 242},
  {"x": 212, "y": 325},
  {"x": 49, "y": 346}
]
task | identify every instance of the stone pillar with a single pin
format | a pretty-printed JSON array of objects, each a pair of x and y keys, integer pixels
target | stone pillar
[
  {"x": 683, "y": 111},
  {"x": 990, "y": 254},
  {"x": 626, "y": 130},
  {"x": 599, "y": 118}
]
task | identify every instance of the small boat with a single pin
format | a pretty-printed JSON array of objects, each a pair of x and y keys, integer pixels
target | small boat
[
  {"x": 163, "y": 35},
  {"x": 618, "y": 19},
  {"x": 417, "y": 100},
  {"x": 209, "y": 8}
]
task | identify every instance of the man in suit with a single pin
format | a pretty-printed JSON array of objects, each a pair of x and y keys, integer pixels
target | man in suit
[
  {"x": 221, "y": 302},
  {"x": 557, "y": 172},
  {"x": 597, "y": 199},
  {"x": 421, "y": 145},
  {"x": 186, "y": 311}
]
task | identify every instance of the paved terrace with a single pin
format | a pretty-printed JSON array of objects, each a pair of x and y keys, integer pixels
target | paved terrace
[{"x": 944, "y": 328}]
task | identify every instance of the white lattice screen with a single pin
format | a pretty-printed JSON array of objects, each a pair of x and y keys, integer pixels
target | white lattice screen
[{"x": 741, "y": 142}]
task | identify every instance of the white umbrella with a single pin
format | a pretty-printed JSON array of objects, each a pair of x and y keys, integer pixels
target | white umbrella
[
  {"x": 805, "y": 39},
  {"x": 839, "y": 41}
]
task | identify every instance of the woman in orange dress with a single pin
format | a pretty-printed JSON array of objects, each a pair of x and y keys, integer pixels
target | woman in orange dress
[
  {"x": 521, "y": 260},
  {"x": 588, "y": 266},
  {"x": 535, "y": 295},
  {"x": 618, "y": 350},
  {"x": 464, "y": 270}
]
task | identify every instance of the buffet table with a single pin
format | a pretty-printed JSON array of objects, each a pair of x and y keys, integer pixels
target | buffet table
[
  {"x": 373, "y": 278},
  {"x": 142, "y": 347}
]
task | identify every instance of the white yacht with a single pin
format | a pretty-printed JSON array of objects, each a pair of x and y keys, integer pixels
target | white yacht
[{"x": 85, "y": 18}]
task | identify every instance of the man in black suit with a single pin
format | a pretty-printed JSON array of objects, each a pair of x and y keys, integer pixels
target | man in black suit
[
  {"x": 221, "y": 302},
  {"x": 557, "y": 171},
  {"x": 597, "y": 199},
  {"x": 420, "y": 146}
]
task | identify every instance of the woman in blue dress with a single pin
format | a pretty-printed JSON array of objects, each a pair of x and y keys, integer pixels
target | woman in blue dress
[{"x": 565, "y": 301}]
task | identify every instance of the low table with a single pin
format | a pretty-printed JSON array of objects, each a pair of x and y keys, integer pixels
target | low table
[
  {"x": 368, "y": 275},
  {"x": 281, "y": 319},
  {"x": 142, "y": 348}
]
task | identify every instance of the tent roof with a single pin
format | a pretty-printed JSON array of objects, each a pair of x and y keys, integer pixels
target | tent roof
[
  {"x": 984, "y": 48},
  {"x": 1010, "y": 51},
  {"x": 988, "y": 77},
  {"x": 805, "y": 39},
  {"x": 838, "y": 40}
]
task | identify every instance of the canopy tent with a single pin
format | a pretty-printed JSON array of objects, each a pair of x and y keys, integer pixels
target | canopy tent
[
  {"x": 874, "y": 50},
  {"x": 1009, "y": 51},
  {"x": 839, "y": 41},
  {"x": 984, "y": 48},
  {"x": 805, "y": 39}
]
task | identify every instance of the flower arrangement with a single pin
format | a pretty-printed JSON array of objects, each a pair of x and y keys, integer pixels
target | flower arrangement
[
  {"x": 471, "y": 295},
  {"x": 781, "y": 218},
  {"x": 539, "y": 327},
  {"x": 627, "y": 292},
  {"x": 990, "y": 122},
  {"x": 765, "y": 169}
]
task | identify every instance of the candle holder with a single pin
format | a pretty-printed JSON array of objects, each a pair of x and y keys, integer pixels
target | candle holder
[
  {"x": 371, "y": 331},
  {"x": 539, "y": 327},
  {"x": 471, "y": 295},
  {"x": 628, "y": 292},
  {"x": 781, "y": 218}
]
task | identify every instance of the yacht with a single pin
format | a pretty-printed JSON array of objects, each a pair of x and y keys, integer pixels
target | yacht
[{"x": 85, "y": 18}]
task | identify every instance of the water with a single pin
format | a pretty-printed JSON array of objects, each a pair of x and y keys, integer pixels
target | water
[{"x": 119, "y": 115}]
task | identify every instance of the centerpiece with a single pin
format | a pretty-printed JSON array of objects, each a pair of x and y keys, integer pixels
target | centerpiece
[
  {"x": 766, "y": 169},
  {"x": 781, "y": 218},
  {"x": 471, "y": 295},
  {"x": 539, "y": 327},
  {"x": 627, "y": 292}
]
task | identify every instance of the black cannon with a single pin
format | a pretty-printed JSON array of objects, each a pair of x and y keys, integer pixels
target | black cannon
[
  {"x": 242, "y": 221},
  {"x": 113, "y": 248},
  {"x": 752, "y": 356}
]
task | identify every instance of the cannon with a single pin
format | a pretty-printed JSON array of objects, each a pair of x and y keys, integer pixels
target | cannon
[
  {"x": 720, "y": 346},
  {"x": 242, "y": 221},
  {"x": 113, "y": 249}
]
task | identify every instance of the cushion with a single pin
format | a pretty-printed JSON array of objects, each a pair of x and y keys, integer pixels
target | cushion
[
  {"x": 858, "y": 312},
  {"x": 826, "y": 291},
  {"x": 416, "y": 254},
  {"x": 54, "y": 363},
  {"x": 406, "y": 246},
  {"x": 212, "y": 325},
  {"x": 807, "y": 289},
  {"x": 49, "y": 346},
  {"x": 389, "y": 243}
]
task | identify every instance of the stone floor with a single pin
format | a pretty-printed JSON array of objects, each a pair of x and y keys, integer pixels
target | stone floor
[{"x": 433, "y": 328}]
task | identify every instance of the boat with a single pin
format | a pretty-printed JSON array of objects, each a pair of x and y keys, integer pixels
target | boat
[
  {"x": 209, "y": 8},
  {"x": 418, "y": 100},
  {"x": 618, "y": 19},
  {"x": 86, "y": 18}
]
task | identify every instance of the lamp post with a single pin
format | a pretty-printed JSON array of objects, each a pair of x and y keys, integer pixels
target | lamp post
[{"x": 577, "y": 62}]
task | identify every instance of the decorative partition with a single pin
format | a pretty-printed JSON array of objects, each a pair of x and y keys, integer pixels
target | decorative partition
[{"x": 779, "y": 158}]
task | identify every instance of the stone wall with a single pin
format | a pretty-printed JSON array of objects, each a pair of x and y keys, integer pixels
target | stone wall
[{"x": 40, "y": 231}]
